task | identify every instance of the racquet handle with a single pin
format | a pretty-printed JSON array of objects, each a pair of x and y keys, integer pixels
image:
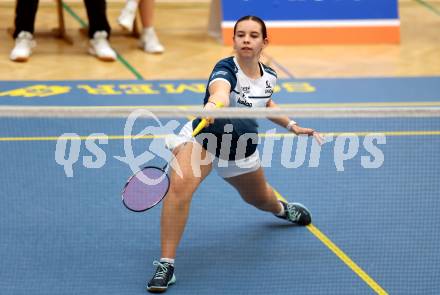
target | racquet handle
[
  {"x": 204, "y": 122},
  {"x": 199, "y": 127}
]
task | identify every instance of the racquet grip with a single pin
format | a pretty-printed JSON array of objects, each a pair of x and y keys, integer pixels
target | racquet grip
[
  {"x": 199, "y": 127},
  {"x": 204, "y": 122}
]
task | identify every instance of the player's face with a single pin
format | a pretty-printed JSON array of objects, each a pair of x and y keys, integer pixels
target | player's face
[{"x": 248, "y": 39}]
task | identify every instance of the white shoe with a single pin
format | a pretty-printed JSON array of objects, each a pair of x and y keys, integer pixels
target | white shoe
[
  {"x": 128, "y": 14},
  {"x": 100, "y": 47},
  {"x": 149, "y": 41},
  {"x": 23, "y": 47}
]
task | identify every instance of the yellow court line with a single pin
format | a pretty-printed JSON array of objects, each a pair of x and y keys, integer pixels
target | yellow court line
[
  {"x": 362, "y": 133},
  {"x": 128, "y": 107},
  {"x": 392, "y": 133},
  {"x": 341, "y": 255},
  {"x": 293, "y": 105},
  {"x": 150, "y": 136},
  {"x": 55, "y": 138},
  {"x": 365, "y": 104}
]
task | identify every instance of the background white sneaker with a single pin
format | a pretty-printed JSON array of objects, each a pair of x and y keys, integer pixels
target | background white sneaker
[
  {"x": 100, "y": 47},
  {"x": 149, "y": 41},
  {"x": 23, "y": 47},
  {"x": 128, "y": 14}
]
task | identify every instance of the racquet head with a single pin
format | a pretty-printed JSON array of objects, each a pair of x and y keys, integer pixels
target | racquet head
[{"x": 145, "y": 189}]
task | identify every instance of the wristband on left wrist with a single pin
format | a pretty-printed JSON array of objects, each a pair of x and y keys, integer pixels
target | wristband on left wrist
[{"x": 290, "y": 125}]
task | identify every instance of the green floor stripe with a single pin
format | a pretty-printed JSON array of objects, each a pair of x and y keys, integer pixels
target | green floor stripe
[
  {"x": 74, "y": 15},
  {"x": 119, "y": 57},
  {"x": 130, "y": 67},
  {"x": 429, "y": 6}
]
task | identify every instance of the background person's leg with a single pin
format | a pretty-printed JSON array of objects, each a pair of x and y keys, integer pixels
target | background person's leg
[
  {"x": 96, "y": 14},
  {"x": 25, "y": 12}
]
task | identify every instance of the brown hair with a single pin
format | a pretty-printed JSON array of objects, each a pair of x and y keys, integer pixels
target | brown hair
[{"x": 254, "y": 18}]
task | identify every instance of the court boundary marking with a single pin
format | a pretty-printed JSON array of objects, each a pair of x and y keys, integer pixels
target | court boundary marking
[
  {"x": 281, "y": 105},
  {"x": 263, "y": 135},
  {"x": 340, "y": 254}
]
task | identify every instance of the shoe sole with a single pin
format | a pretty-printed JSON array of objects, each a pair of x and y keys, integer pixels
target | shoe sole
[
  {"x": 102, "y": 58},
  {"x": 21, "y": 59},
  {"x": 154, "y": 289},
  {"x": 154, "y": 52},
  {"x": 141, "y": 46},
  {"x": 105, "y": 58}
]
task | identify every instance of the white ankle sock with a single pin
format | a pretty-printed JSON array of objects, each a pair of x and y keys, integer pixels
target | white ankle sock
[
  {"x": 149, "y": 30},
  {"x": 168, "y": 260},
  {"x": 282, "y": 212}
]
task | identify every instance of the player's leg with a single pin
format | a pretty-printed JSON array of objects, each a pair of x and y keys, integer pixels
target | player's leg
[
  {"x": 255, "y": 190},
  {"x": 184, "y": 180},
  {"x": 177, "y": 201}
]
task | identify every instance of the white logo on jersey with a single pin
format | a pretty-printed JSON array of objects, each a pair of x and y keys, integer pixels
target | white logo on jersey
[
  {"x": 268, "y": 88},
  {"x": 243, "y": 101},
  {"x": 222, "y": 73}
]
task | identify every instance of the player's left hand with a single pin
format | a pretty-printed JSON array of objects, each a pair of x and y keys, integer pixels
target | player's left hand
[{"x": 298, "y": 130}]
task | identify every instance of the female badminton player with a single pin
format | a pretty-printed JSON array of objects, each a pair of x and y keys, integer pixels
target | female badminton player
[{"x": 238, "y": 81}]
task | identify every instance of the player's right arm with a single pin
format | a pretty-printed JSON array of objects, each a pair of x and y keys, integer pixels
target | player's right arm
[{"x": 219, "y": 91}]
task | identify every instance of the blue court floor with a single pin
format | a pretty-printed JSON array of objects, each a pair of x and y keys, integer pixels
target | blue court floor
[{"x": 72, "y": 235}]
